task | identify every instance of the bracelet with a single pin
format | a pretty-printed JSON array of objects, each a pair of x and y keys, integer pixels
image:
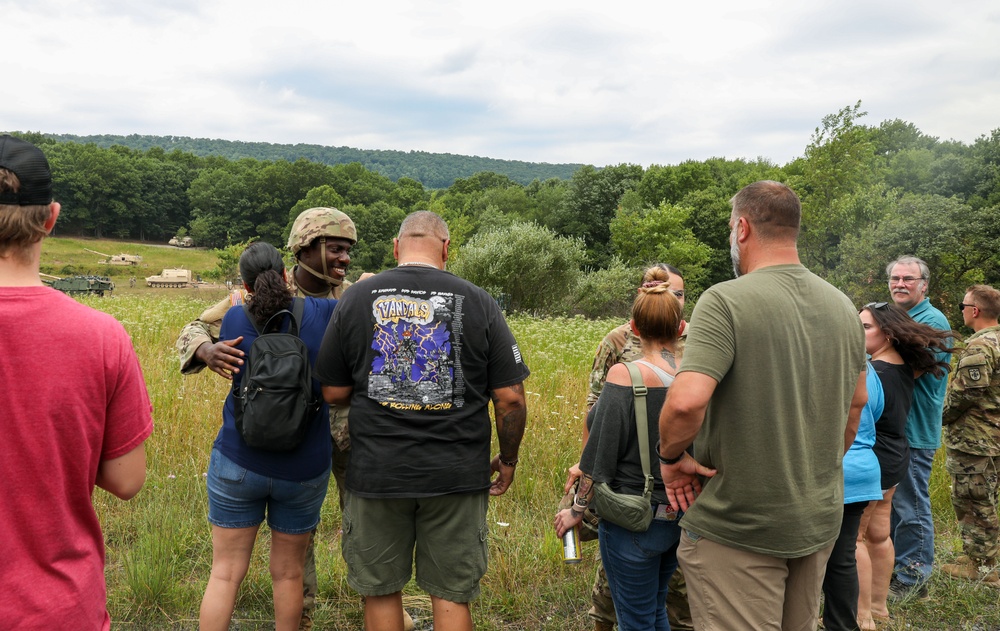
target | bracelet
[
  {"x": 509, "y": 463},
  {"x": 667, "y": 461}
]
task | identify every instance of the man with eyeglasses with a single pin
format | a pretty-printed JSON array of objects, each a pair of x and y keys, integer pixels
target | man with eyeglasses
[
  {"x": 912, "y": 523},
  {"x": 972, "y": 439}
]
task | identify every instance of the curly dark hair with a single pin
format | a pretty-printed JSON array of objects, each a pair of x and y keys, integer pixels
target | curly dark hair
[
  {"x": 918, "y": 344},
  {"x": 261, "y": 267}
]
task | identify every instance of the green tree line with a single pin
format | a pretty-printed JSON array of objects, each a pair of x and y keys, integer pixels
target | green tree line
[
  {"x": 578, "y": 244},
  {"x": 434, "y": 170}
]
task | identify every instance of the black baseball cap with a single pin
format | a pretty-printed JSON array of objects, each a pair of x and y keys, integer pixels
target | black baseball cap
[{"x": 28, "y": 163}]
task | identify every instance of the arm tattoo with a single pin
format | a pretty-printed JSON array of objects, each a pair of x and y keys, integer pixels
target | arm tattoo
[
  {"x": 510, "y": 423},
  {"x": 586, "y": 489}
]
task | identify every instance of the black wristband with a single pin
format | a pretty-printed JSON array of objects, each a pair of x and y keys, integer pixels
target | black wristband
[
  {"x": 509, "y": 463},
  {"x": 667, "y": 461}
]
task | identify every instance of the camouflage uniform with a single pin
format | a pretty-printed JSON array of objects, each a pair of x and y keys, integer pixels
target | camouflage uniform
[
  {"x": 622, "y": 345},
  {"x": 310, "y": 225},
  {"x": 972, "y": 438}
]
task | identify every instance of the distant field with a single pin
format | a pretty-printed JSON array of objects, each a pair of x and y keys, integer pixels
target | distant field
[
  {"x": 159, "y": 546},
  {"x": 68, "y": 256}
]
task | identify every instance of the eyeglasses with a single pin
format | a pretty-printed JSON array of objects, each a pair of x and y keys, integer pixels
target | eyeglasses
[
  {"x": 962, "y": 306},
  {"x": 876, "y": 305},
  {"x": 679, "y": 293},
  {"x": 908, "y": 280}
]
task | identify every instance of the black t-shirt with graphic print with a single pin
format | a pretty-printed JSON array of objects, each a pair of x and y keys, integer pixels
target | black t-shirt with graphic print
[{"x": 422, "y": 349}]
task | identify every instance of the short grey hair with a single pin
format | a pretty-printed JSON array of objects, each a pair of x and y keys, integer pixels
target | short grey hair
[
  {"x": 423, "y": 223},
  {"x": 925, "y": 272}
]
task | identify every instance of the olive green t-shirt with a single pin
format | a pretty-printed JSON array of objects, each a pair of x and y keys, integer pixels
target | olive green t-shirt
[{"x": 786, "y": 349}]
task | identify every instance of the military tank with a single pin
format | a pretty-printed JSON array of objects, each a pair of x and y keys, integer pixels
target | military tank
[
  {"x": 170, "y": 279},
  {"x": 75, "y": 285},
  {"x": 117, "y": 259}
]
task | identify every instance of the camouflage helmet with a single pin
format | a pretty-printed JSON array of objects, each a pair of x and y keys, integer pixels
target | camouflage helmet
[{"x": 320, "y": 222}]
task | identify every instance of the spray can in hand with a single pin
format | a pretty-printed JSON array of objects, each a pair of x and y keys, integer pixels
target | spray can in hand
[{"x": 571, "y": 545}]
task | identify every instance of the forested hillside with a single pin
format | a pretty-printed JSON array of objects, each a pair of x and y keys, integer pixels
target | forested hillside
[
  {"x": 434, "y": 170},
  {"x": 577, "y": 245}
]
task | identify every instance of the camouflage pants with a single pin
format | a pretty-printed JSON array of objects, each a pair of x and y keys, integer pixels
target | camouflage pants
[
  {"x": 310, "y": 584},
  {"x": 678, "y": 612},
  {"x": 975, "y": 485}
]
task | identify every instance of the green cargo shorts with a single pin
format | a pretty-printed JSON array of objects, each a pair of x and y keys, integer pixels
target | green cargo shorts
[{"x": 447, "y": 532}]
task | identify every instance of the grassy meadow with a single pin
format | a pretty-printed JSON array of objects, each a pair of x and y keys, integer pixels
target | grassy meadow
[
  {"x": 159, "y": 547},
  {"x": 69, "y": 256}
]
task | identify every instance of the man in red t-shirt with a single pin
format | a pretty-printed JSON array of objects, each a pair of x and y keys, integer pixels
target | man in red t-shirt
[{"x": 74, "y": 413}]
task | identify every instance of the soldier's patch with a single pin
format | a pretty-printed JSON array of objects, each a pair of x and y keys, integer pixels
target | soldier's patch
[{"x": 974, "y": 371}]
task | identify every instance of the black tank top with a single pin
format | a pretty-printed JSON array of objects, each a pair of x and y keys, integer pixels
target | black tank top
[{"x": 891, "y": 446}]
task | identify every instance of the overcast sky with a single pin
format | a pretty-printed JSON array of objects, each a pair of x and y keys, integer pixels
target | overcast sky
[{"x": 654, "y": 82}]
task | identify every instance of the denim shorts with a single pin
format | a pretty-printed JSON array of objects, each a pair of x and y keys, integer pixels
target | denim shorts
[{"x": 239, "y": 498}]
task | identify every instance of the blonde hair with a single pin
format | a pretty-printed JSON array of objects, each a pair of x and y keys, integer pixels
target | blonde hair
[
  {"x": 656, "y": 312},
  {"x": 20, "y": 226}
]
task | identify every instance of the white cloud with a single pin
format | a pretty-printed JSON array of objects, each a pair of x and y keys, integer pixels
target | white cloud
[{"x": 560, "y": 81}]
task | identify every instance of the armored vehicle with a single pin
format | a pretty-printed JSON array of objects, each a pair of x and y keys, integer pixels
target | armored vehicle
[
  {"x": 170, "y": 278},
  {"x": 80, "y": 284},
  {"x": 181, "y": 242},
  {"x": 118, "y": 259}
]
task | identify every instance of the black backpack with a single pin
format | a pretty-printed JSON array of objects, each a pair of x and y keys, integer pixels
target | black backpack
[{"x": 275, "y": 401}]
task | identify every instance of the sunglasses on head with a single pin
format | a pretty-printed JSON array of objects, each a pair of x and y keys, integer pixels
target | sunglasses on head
[{"x": 876, "y": 305}]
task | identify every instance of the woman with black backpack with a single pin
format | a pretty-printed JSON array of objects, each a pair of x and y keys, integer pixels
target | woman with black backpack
[{"x": 247, "y": 482}]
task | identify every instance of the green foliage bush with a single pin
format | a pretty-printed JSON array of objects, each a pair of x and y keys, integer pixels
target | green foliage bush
[
  {"x": 531, "y": 267},
  {"x": 606, "y": 293},
  {"x": 229, "y": 262}
]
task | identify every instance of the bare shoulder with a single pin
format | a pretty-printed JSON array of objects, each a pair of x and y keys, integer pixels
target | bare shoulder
[{"x": 619, "y": 375}]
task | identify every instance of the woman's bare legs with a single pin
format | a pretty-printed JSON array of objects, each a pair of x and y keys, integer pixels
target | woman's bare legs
[
  {"x": 231, "y": 549},
  {"x": 882, "y": 553},
  {"x": 288, "y": 557}
]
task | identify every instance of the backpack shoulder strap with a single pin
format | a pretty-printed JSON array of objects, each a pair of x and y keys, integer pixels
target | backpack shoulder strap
[
  {"x": 298, "y": 308},
  {"x": 246, "y": 310},
  {"x": 639, "y": 391}
]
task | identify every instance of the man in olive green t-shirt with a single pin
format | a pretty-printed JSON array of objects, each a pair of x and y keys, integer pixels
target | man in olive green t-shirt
[{"x": 772, "y": 385}]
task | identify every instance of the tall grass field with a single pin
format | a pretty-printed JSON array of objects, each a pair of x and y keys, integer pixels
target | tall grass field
[{"x": 159, "y": 548}]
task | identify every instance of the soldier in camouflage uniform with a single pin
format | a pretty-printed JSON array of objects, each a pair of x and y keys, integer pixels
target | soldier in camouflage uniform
[
  {"x": 621, "y": 344},
  {"x": 321, "y": 241},
  {"x": 972, "y": 438}
]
